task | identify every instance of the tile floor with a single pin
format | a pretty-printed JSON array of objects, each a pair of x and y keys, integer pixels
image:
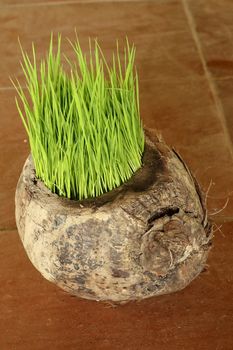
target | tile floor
[{"x": 185, "y": 64}]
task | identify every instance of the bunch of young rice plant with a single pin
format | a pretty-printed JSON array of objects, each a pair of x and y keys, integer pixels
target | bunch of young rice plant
[{"x": 84, "y": 128}]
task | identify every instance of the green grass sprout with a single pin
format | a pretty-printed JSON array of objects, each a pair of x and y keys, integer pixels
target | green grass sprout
[{"x": 84, "y": 127}]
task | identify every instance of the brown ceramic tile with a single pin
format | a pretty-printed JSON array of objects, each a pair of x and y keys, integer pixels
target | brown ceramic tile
[
  {"x": 225, "y": 91},
  {"x": 175, "y": 98},
  {"x": 19, "y": 3},
  {"x": 30, "y": 3},
  {"x": 185, "y": 113},
  {"x": 35, "y": 313},
  {"x": 158, "y": 29},
  {"x": 13, "y": 150},
  {"x": 214, "y": 25}
]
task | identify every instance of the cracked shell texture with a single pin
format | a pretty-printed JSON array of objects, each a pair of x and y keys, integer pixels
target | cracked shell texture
[{"x": 148, "y": 237}]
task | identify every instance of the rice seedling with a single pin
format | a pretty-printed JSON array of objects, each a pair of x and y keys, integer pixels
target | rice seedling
[{"x": 84, "y": 127}]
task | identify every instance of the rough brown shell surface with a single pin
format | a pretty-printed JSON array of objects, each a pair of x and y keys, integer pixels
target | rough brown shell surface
[{"x": 148, "y": 237}]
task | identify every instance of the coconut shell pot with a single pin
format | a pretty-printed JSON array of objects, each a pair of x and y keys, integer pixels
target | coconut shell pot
[{"x": 148, "y": 237}]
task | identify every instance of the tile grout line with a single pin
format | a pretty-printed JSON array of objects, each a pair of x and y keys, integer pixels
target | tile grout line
[
  {"x": 73, "y": 2},
  {"x": 218, "y": 103},
  {"x": 7, "y": 229},
  {"x": 6, "y": 88},
  {"x": 223, "y": 219}
]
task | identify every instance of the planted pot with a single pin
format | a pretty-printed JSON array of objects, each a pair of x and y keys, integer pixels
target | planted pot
[
  {"x": 105, "y": 209},
  {"x": 148, "y": 237}
]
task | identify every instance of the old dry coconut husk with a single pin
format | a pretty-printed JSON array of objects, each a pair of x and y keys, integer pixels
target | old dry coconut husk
[{"x": 148, "y": 237}]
